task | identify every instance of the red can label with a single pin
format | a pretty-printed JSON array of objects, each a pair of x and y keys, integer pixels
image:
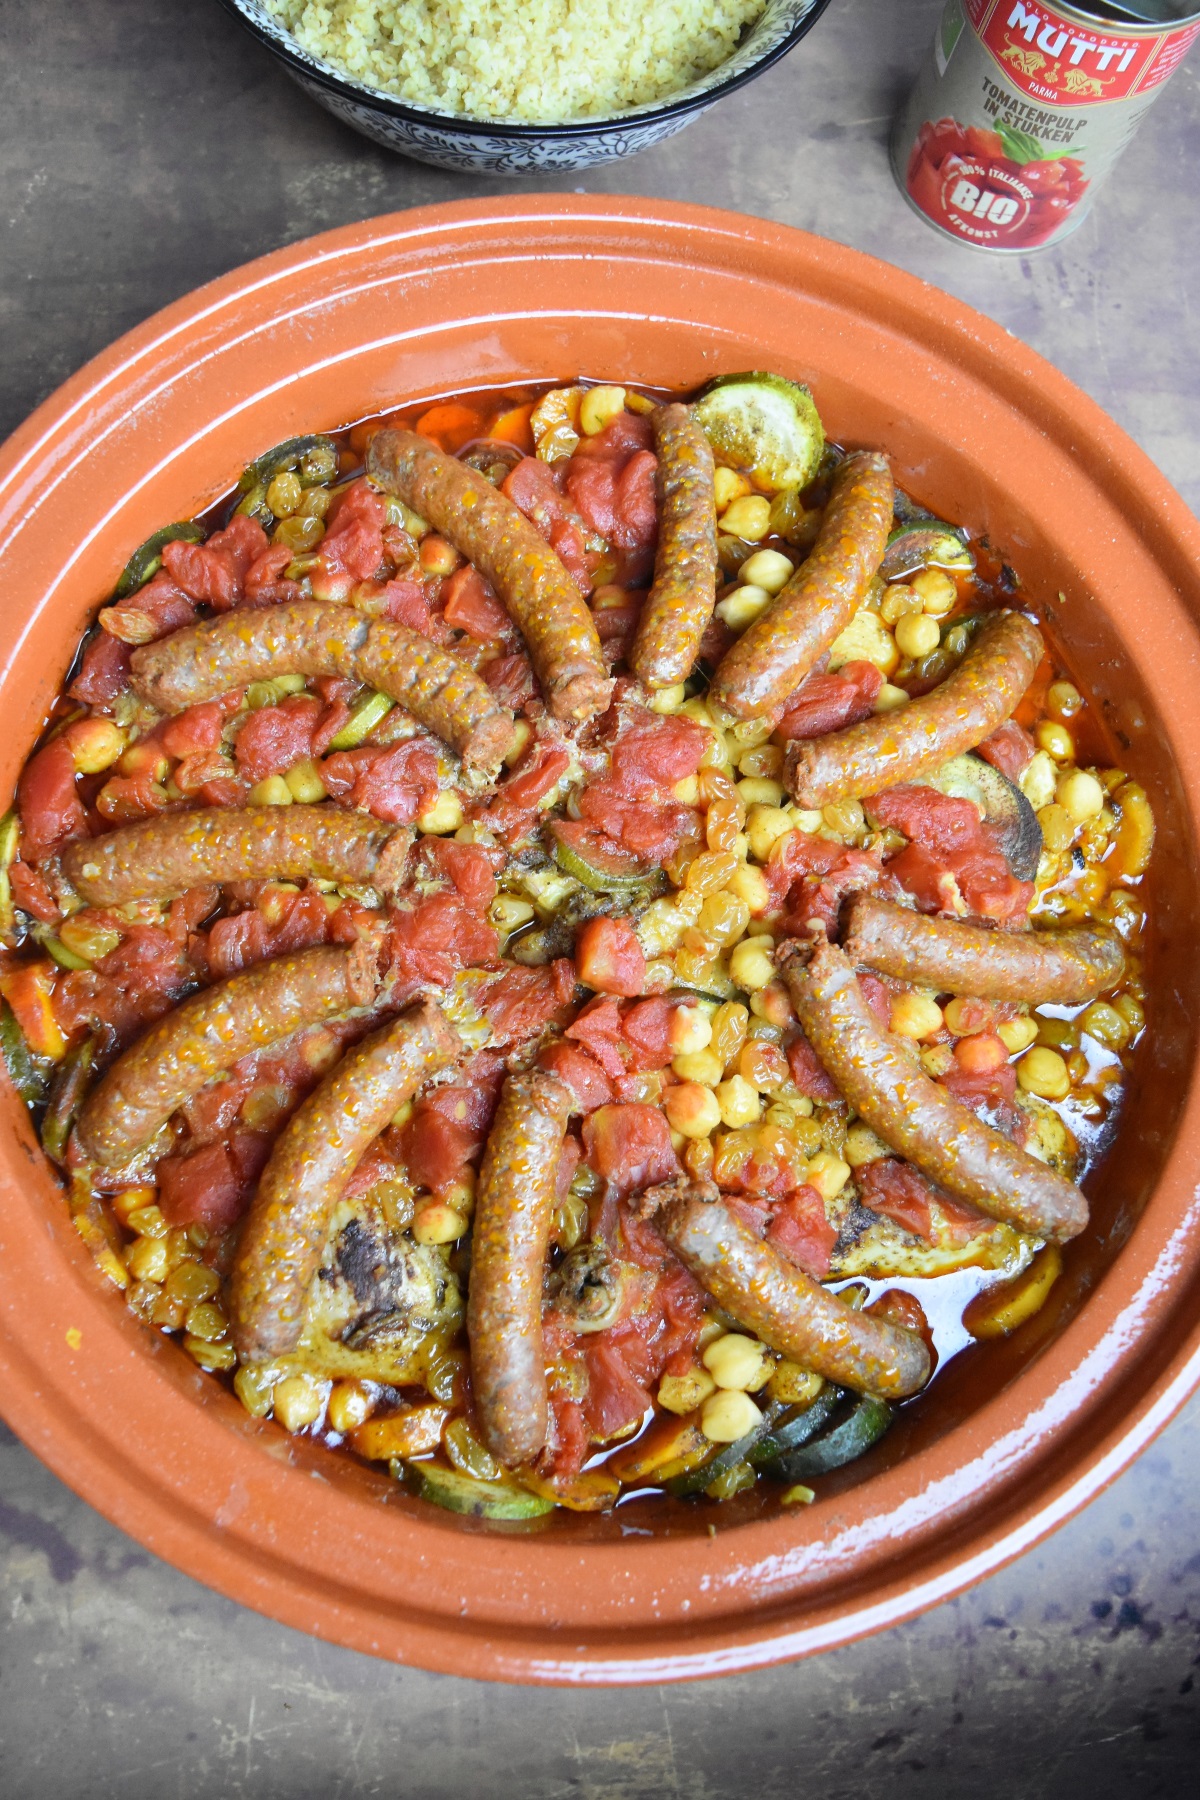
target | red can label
[{"x": 1023, "y": 111}]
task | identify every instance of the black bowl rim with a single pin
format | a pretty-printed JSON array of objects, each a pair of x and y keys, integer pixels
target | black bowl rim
[{"x": 458, "y": 125}]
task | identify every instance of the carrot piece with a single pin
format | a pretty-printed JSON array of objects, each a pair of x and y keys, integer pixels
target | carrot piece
[
  {"x": 450, "y": 425},
  {"x": 29, "y": 990},
  {"x": 513, "y": 427}
]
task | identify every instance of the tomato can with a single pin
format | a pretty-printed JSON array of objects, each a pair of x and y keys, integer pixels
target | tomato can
[{"x": 1024, "y": 107}]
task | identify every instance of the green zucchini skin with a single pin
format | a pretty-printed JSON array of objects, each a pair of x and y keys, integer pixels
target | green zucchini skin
[
  {"x": 844, "y": 1444},
  {"x": 23, "y": 1071},
  {"x": 765, "y": 426},
  {"x": 458, "y": 1493},
  {"x": 793, "y": 1432},
  {"x": 925, "y": 544},
  {"x": 147, "y": 558}
]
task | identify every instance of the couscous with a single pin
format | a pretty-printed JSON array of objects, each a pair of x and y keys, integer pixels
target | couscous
[{"x": 538, "y": 61}]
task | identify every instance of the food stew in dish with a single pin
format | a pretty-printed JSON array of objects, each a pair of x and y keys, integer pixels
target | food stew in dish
[{"x": 573, "y": 944}]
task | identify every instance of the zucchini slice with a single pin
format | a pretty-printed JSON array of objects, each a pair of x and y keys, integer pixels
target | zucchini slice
[
  {"x": 23, "y": 1071},
  {"x": 694, "y": 1481},
  {"x": 1003, "y": 805},
  {"x": 925, "y": 544},
  {"x": 846, "y": 1442},
  {"x": 601, "y": 866},
  {"x": 764, "y": 426},
  {"x": 147, "y": 558},
  {"x": 791, "y": 1433},
  {"x": 314, "y": 459},
  {"x": 72, "y": 1080},
  {"x": 460, "y": 1493}
]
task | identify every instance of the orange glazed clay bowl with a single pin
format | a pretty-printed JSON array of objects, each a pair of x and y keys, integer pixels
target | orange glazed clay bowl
[{"x": 1007, "y": 1445}]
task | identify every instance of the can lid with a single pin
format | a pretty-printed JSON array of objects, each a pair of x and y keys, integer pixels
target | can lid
[{"x": 1139, "y": 12}]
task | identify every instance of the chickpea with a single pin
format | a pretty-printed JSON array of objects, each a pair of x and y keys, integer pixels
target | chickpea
[
  {"x": 598, "y": 408},
  {"x": 95, "y": 744},
  {"x": 937, "y": 589},
  {"x": 436, "y": 1223},
  {"x": 771, "y": 1002},
  {"x": 749, "y": 518},
  {"x": 765, "y": 825},
  {"x": 703, "y": 1066},
  {"x": 750, "y": 884},
  {"x": 759, "y": 790},
  {"x": 1063, "y": 700},
  {"x": 917, "y": 635},
  {"x": 738, "y": 1101},
  {"x": 828, "y": 1174},
  {"x": 350, "y": 1404},
  {"x": 768, "y": 569},
  {"x": 1017, "y": 1034},
  {"x": 691, "y": 1109},
  {"x": 728, "y": 1415},
  {"x": 274, "y": 791},
  {"x": 736, "y": 1362},
  {"x": 299, "y": 1401},
  {"x": 915, "y": 1015},
  {"x": 690, "y": 1030},
  {"x": 437, "y": 556},
  {"x": 1054, "y": 739},
  {"x": 740, "y": 609},
  {"x": 304, "y": 782},
  {"x": 1044, "y": 1073},
  {"x": 1080, "y": 794},
  {"x": 890, "y": 698},
  {"x": 728, "y": 486},
  {"x": 668, "y": 699},
  {"x": 684, "y": 1393},
  {"x": 862, "y": 1146},
  {"x": 980, "y": 1053},
  {"x": 898, "y": 601}
]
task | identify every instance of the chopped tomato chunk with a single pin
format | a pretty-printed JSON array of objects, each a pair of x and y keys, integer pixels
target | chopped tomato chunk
[
  {"x": 800, "y": 1230},
  {"x": 609, "y": 957},
  {"x": 629, "y": 1146},
  {"x": 48, "y": 801}
]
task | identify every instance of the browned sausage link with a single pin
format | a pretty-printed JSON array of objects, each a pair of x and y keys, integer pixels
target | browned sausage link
[
  {"x": 770, "y": 660},
  {"x": 164, "y": 855},
  {"x": 321, "y": 1146},
  {"x": 956, "y": 958},
  {"x": 508, "y": 1256},
  {"x": 680, "y": 602},
  {"x": 543, "y": 601},
  {"x": 910, "y": 742},
  {"x": 914, "y": 1116},
  {"x": 188, "y": 1048},
  {"x": 779, "y": 1303},
  {"x": 440, "y": 690}
]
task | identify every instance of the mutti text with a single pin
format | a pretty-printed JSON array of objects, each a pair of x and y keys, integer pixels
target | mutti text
[{"x": 1049, "y": 36}]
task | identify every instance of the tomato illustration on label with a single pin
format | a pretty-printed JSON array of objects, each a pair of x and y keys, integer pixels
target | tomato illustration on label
[{"x": 997, "y": 187}]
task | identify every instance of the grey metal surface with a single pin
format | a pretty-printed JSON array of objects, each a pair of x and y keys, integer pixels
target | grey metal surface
[{"x": 147, "y": 146}]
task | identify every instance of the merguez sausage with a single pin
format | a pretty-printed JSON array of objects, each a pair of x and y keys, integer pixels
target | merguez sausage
[
  {"x": 913, "y": 1115},
  {"x": 903, "y": 745},
  {"x": 956, "y": 958},
  {"x": 770, "y": 660},
  {"x": 680, "y": 602},
  {"x": 783, "y": 1306},
  {"x": 439, "y": 689},
  {"x": 543, "y": 601},
  {"x": 320, "y": 1148},
  {"x": 513, "y": 1211},
  {"x": 165, "y": 855},
  {"x": 190, "y": 1047}
]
